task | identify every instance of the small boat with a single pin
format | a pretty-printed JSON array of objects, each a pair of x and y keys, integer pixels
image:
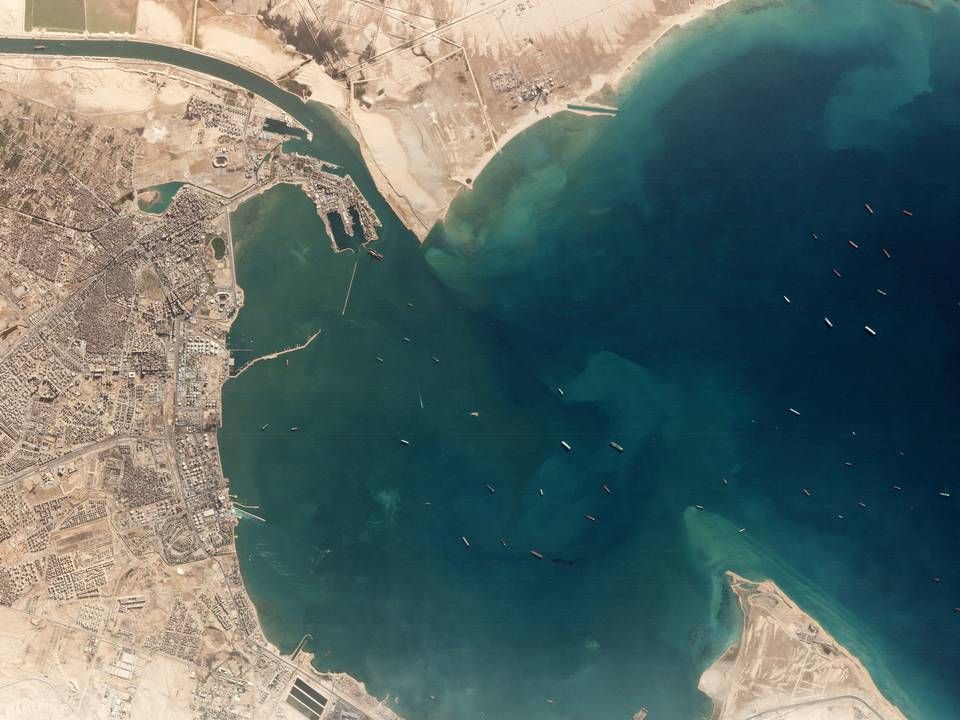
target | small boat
[
  {"x": 936, "y": 579},
  {"x": 862, "y": 504},
  {"x": 503, "y": 542},
  {"x": 379, "y": 359},
  {"x": 616, "y": 446},
  {"x": 881, "y": 292},
  {"x": 409, "y": 304},
  {"x": 560, "y": 390},
  {"x": 786, "y": 299},
  {"x": 294, "y": 429},
  {"x": 699, "y": 507},
  {"x": 886, "y": 253},
  {"x": 436, "y": 360},
  {"x": 264, "y": 426},
  {"x": 565, "y": 445},
  {"x": 463, "y": 539},
  {"x": 491, "y": 489},
  {"x": 536, "y": 554},
  {"x": 906, "y": 213},
  {"x": 897, "y": 488},
  {"x": 828, "y": 322},
  {"x": 943, "y": 493},
  {"x": 741, "y": 531},
  {"x": 374, "y": 254},
  {"x": 541, "y": 492},
  {"x": 870, "y": 330},
  {"x": 848, "y": 464},
  {"x": 39, "y": 48},
  {"x": 794, "y": 411},
  {"x": 474, "y": 413},
  {"x": 814, "y": 236},
  {"x": 866, "y": 206},
  {"x": 839, "y": 517},
  {"x": 406, "y": 339},
  {"x": 404, "y": 442},
  {"x": 286, "y": 362},
  {"x": 591, "y": 518},
  {"x": 605, "y": 489},
  {"x": 853, "y": 244},
  {"x": 725, "y": 481},
  {"x": 807, "y": 492},
  {"x": 837, "y": 273}
]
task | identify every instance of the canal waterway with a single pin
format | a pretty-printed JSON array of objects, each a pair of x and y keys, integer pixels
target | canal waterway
[{"x": 639, "y": 262}]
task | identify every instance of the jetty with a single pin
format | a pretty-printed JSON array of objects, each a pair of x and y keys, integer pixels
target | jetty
[
  {"x": 300, "y": 645},
  {"x": 278, "y": 353},
  {"x": 241, "y": 513}
]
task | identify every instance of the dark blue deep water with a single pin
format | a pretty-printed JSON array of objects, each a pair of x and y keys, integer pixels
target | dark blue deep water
[{"x": 640, "y": 263}]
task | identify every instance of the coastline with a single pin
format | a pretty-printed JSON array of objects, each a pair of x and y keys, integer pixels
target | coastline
[
  {"x": 750, "y": 680},
  {"x": 389, "y": 168},
  {"x": 628, "y": 69},
  {"x": 338, "y": 683}
]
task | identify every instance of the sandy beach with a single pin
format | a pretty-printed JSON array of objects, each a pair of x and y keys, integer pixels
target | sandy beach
[
  {"x": 787, "y": 666},
  {"x": 424, "y": 159},
  {"x": 628, "y": 66},
  {"x": 432, "y": 102}
]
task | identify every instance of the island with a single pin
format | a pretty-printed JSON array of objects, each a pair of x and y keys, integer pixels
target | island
[{"x": 787, "y": 667}]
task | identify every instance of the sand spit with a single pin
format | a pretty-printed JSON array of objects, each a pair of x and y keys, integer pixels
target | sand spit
[{"x": 786, "y": 666}]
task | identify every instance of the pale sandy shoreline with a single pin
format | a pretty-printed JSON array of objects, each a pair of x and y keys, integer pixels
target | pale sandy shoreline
[
  {"x": 778, "y": 642},
  {"x": 629, "y": 69},
  {"x": 390, "y": 170}
]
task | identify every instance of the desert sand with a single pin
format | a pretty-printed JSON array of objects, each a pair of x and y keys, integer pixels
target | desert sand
[
  {"x": 787, "y": 667},
  {"x": 434, "y": 110},
  {"x": 244, "y": 41},
  {"x": 157, "y": 21},
  {"x": 432, "y": 94}
]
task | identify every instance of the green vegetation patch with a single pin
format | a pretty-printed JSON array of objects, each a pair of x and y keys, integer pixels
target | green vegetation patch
[
  {"x": 64, "y": 15},
  {"x": 118, "y": 16}
]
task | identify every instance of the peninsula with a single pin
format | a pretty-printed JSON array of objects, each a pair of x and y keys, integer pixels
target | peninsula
[{"x": 787, "y": 667}]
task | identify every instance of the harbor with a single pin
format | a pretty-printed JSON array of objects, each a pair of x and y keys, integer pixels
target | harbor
[{"x": 692, "y": 376}]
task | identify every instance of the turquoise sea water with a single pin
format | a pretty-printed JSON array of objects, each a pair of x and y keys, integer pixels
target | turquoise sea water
[{"x": 640, "y": 263}]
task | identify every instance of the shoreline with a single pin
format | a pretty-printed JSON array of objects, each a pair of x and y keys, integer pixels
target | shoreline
[
  {"x": 625, "y": 70},
  {"x": 628, "y": 70},
  {"x": 339, "y": 683},
  {"x": 748, "y": 677}
]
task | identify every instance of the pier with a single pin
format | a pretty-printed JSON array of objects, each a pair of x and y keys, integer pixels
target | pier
[
  {"x": 278, "y": 353},
  {"x": 300, "y": 645},
  {"x": 349, "y": 289}
]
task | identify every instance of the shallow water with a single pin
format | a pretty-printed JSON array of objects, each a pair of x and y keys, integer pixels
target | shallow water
[
  {"x": 640, "y": 263},
  {"x": 161, "y": 202}
]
